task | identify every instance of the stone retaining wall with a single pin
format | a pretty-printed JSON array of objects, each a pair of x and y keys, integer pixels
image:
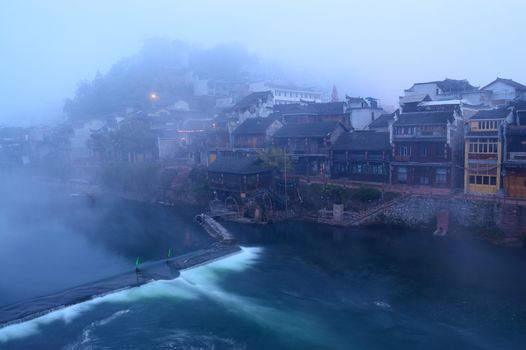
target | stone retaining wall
[{"x": 415, "y": 211}]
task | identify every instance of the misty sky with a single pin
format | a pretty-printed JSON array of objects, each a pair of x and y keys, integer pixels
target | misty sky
[{"x": 368, "y": 48}]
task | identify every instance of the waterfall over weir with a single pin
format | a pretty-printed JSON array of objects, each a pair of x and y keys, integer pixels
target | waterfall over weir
[{"x": 165, "y": 269}]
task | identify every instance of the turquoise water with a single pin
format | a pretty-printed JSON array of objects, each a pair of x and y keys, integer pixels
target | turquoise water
[{"x": 296, "y": 286}]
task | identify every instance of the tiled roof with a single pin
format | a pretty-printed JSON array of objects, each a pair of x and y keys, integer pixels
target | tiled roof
[
  {"x": 415, "y": 98},
  {"x": 356, "y": 99},
  {"x": 325, "y": 108},
  {"x": 238, "y": 165},
  {"x": 329, "y": 108},
  {"x": 362, "y": 141},
  {"x": 295, "y": 108},
  {"x": 197, "y": 124},
  {"x": 253, "y": 99},
  {"x": 519, "y": 104},
  {"x": 422, "y": 118},
  {"x": 452, "y": 85},
  {"x": 320, "y": 129},
  {"x": 254, "y": 126},
  {"x": 292, "y": 87},
  {"x": 498, "y": 113},
  {"x": 510, "y": 82},
  {"x": 382, "y": 121}
]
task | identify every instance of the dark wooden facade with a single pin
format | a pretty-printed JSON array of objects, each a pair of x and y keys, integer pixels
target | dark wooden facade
[
  {"x": 308, "y": 145},
  {"x": 300, "y": 113},
  {"x": 238, "y": 176},
  {"x": 315, "y": 118},
  {"x": 514, "y": 164},
  {"x": 422, "y": 149},
  {"x": 362, "y": 156}
]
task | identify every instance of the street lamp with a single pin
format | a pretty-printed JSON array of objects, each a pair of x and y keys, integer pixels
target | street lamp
[{"x": 153, "y": 96}]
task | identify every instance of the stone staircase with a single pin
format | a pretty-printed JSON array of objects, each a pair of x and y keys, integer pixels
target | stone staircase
[
  {"x": 363, "y": 216},
  {"x": 356, "y": 218}
]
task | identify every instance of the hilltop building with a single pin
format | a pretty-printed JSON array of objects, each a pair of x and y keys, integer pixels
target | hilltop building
[{"x": 284, "y": 94}]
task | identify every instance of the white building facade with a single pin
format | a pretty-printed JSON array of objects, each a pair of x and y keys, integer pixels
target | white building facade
[{"x": 288, "y": 94}]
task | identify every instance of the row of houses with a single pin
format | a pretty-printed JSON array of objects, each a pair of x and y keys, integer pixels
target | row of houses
[{"x": 433, "y": 145}]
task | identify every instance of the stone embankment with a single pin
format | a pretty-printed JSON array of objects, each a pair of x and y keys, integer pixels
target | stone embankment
[{"x": 420, "y": 210}]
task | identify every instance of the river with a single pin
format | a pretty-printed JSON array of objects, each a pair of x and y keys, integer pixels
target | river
[{"x": 293, "y": 286}]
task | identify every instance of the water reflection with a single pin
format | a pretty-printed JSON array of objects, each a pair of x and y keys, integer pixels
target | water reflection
[{"x": 52, "y": 239}]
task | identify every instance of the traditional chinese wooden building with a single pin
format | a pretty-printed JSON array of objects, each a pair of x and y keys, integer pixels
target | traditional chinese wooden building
[
  {"x": 309, "y": 112},
  {"x": 255, "y": 133},
  {"x": 514, "y": 155},
  {"x": 483, "y": 152},
  {"x": 238, "y": 176},
  {"x": 361, "y": 156},
  {"x": 382, "y": 122},
  {"x": 423, "y": 146},
  {"x": 308, "y": 144}
]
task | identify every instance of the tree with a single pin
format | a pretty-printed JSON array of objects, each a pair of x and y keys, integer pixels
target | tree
[{"x": 276, "y": 159}]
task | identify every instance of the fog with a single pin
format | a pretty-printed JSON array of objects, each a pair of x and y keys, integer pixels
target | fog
[
  {"x": 367, "y": 48},
  {"x": 54, "y": 238}
]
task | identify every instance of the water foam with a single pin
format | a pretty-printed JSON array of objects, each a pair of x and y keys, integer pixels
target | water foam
[
  {"x": 87, "y": 332},
  {"x": 194, "y": 283},
  {"x": 177, "y": 288}
]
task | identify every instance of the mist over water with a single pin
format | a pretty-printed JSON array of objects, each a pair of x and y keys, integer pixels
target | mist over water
[
  {"x": 298, "y": 285},
  {"x": 54, "y": 238}
]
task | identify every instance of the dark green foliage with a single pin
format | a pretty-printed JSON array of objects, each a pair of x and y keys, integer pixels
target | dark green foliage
[
  {"x": 336, "y": 194},
  {"x": 134, "y": 139},
  {"x": 124, "y": 176},
  {"x": 162, "y": 67},
  {"x": 200, "y": 189},
  {"x": 276, "y": 159},
  {"x": 365, "y": 194}
]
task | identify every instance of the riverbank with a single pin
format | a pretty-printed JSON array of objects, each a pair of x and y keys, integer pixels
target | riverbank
[{"x": 501, "y": 223}]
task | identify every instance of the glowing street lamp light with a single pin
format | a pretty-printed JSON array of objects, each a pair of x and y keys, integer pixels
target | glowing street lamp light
[{"x": 153, "y": 96}]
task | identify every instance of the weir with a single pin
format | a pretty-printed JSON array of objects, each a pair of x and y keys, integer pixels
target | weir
[{"x": 147, "y": 272}]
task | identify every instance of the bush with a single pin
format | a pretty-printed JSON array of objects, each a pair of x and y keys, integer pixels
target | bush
[
  {"x": 125, "y": 176},
  {"x": 335, "y": 193},
  {"x": 366, "y": 194}
]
